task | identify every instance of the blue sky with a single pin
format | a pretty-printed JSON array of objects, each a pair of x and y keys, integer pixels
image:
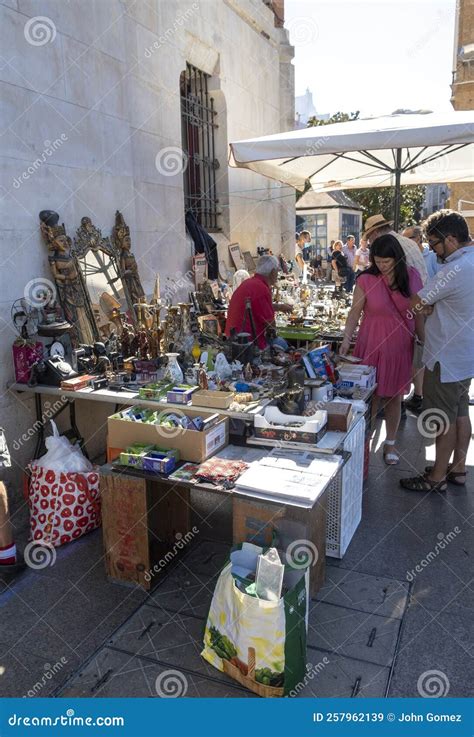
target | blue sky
[{"x": 373, "y": 55}]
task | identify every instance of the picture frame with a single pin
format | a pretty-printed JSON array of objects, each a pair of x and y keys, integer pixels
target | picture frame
[
  {"x": 237, "y": 256},
  {"x": 200, "y": 269},
  {"x": 250, "y": 264}
]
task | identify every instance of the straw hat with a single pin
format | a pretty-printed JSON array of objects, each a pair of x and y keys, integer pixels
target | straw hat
[{"x": 374, "y": 222}]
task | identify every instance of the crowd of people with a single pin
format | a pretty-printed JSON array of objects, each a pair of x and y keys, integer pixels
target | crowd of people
[
  {"x": 414, "y": 309},
  {"x": 413, "y": 305}
]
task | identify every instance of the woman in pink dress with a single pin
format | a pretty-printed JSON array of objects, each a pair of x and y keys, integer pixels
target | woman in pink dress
[{"x": 386, "y": 334}]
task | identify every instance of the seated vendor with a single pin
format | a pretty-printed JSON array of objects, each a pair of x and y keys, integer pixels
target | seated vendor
[{"x": 258, "y": 289}]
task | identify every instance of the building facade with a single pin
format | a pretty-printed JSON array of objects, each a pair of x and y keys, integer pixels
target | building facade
[
  {"x": 329, "y": 216},
  {"x": 462, "y": 98},
  {"x": 436, "y": 196},
  {"x": 130, "y": 105}
]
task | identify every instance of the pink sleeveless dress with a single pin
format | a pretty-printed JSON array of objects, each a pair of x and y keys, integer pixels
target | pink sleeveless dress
[{"x": 386, "y": 334}]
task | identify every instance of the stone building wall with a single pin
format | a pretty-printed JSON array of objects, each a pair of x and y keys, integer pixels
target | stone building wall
[{"x": 90, "y": 99}]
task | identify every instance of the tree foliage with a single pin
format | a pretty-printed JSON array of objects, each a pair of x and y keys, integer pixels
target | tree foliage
[{"x": 379, "y": 200}]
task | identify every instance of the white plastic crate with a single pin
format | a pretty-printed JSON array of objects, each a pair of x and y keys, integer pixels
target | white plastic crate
[{"x": 344, "y": 509}]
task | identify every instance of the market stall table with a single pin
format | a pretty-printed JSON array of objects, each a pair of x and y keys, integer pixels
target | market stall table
[
  {"x": 144, "y": 515},
  {"x": 111, "y": 397}
]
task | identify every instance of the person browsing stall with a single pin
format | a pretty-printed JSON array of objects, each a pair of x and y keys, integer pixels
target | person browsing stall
[
  {"x": 257, "y": 289},
  {"x": 377, "y": 225},
  {"x": 362, "y": 257},
  {"x": 349, "y": 250},
  {"x": 340, "y": 267},
  {"x": 303, "y": 239},
  {"x": 448, "y": 354},
  {"x": 415, "y": 233},
  {"x": 386, "y": 334}
]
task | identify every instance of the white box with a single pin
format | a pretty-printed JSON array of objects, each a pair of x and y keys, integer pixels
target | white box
[{"x": 344, "y": 506}]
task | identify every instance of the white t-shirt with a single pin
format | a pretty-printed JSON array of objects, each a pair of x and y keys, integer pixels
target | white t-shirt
[
  {"x": 449, "y": 331},
  {"x": 297, "y": 270},
  {"x": 364, "y": 259}
]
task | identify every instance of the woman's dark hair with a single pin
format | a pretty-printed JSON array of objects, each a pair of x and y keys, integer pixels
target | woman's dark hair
[{"x": 387, "y": 246}]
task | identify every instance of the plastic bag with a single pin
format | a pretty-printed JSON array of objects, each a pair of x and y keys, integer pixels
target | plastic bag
[
  {"x": 222, "y": 367},
  {"x": 61, "y": 455}
]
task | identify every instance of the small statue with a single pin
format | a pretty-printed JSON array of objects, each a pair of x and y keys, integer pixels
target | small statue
[
  {"x": 128, "y": 265},
  {"x": 203, "y": 381},
  {"x": 72, "y": 292}
]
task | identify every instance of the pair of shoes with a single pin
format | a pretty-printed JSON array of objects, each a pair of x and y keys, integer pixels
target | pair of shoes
[
  {"x": 457, "y": 478},
  {"x": 423, "y": 483},
  {"x": 414, "y": 404},
  {"x": 390, "y": 455}
]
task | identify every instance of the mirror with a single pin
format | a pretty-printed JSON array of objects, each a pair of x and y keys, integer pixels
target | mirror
[{"x": 99, "y": 264}]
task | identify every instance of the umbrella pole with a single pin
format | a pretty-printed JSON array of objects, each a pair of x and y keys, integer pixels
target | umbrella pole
[{"x": 397, "y": 194}]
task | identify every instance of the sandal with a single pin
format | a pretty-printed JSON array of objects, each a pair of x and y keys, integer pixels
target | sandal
[
  {"x": 422, "y": 483},
  {"x": 453, "y": 477},
  {"x": 390, "y": 455}
]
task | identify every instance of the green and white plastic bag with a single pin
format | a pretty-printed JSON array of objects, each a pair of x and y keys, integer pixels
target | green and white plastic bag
[{"x": 259, "y": 643}]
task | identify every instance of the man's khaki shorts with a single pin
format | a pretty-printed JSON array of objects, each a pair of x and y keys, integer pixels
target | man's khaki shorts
[{"x": 452, "y": 397}]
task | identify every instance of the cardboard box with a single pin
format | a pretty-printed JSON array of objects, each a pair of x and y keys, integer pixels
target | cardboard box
[
  {"x": 213, "y": 399},
  {"x": 339, "y": 416},
  {"x": 181, "y": 394},
  {"x": 193, "y": 445},
  {"x": 156, "y": 462},
  {"x": 361, "y": 376},
  {"x": 312, "y": 428}
]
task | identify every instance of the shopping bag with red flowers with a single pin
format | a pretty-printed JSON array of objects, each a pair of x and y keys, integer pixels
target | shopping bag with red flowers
[
  {"x": 63, "y": 506},
  {"x": 63, "y": 494}
]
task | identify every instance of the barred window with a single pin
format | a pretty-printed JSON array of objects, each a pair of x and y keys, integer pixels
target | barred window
[{"x": 198, "y": 126}]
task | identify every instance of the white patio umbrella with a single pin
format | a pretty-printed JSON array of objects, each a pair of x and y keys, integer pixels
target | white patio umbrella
[{"x": 392, "y": 150}]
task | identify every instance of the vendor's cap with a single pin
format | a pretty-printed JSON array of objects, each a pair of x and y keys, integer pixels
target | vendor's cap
[{"x": 374, "y": 222}]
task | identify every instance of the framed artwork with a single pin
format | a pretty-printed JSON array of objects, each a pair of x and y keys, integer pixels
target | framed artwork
[
  {"x": 249, "y": 262},
  {"x": 200, "y": 269},
  {"x": 236, "y": 256}
]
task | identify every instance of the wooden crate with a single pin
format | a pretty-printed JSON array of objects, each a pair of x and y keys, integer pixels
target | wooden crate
[
  {"x": 142, "y": 520},
  {"x": 260, "y": 521}
]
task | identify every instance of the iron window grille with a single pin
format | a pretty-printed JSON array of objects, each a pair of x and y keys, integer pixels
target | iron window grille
[{"x": 198, "y": 126}]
